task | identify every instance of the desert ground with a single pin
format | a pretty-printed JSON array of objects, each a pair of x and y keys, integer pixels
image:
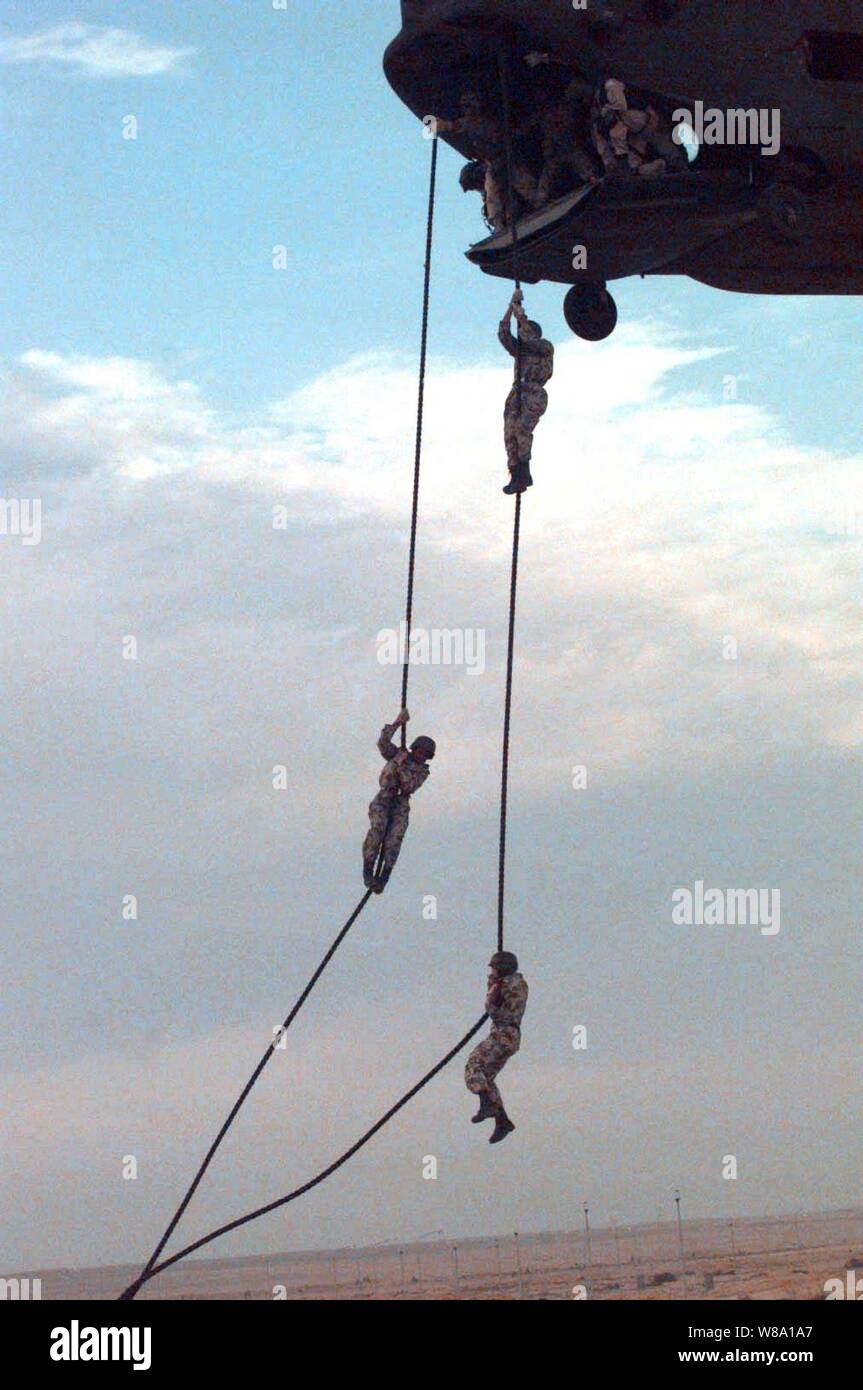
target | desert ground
[{"x": 788, "y": 1257}]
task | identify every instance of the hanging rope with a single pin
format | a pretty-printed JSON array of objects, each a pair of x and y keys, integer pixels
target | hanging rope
[
  {"x": 503, "y": 69},
  {"x": 232, "y": 1114},
  {"x": 235, "y": 1109},
  {"x": 419, "y": 434},
  {"x": 504, "y": 776},
  {"x": 153, "y": 1269}
]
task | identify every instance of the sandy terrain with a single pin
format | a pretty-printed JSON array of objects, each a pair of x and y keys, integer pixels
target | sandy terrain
[{"x": 787, "y": 1257}]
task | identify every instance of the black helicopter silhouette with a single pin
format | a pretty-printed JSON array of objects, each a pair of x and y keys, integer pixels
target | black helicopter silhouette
[{"x": 764, "y": 99}]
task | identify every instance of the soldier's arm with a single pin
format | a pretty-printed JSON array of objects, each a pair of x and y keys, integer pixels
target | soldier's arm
[
  {"x": 386, "y": 747},
  {"x": 513, "y": 994},
  {"x": 504, "y": 333},
  {"x": 493, "y": 997}
]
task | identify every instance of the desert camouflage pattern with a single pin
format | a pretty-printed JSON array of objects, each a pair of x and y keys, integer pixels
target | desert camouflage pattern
[
  {"x": 520, "y": 419},
  {"x": 505, "y": 1004},
  {"x": 389, "y": 812},
  {"x": 388, "y": 823},
  {"x": 402, "y": 775},
  {"x": 506, "y": 1001}
]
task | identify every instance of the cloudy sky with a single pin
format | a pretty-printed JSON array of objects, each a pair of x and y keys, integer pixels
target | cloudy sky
[{"x": 164, "y": 388}]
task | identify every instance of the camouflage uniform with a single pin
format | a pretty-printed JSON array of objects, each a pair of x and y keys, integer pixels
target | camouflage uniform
[
  {"x": 505, "y": 1004},
  {"x": 562, "y": 152},
  {"x": 624, "y": 132},
  {"x": 390, "y": 810},
  {"x": 536, "y": 358},
  {"x": 485, "y": 142}
]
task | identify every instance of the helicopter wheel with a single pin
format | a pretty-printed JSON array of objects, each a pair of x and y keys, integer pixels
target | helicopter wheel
[
  {"x": 590, "y": 311},
  {"x": 786, "y": 210}
]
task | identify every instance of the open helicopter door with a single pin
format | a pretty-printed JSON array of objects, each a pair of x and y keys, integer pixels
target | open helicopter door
[{"x": 616, "y": 228}]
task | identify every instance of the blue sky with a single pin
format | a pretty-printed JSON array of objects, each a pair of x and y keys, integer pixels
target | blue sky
[
  {"x": 163, "y": 387},
  {"x": 279, "y": 129}
]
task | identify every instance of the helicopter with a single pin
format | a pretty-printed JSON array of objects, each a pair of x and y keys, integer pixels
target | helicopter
[{"x": 744, "y": 209}]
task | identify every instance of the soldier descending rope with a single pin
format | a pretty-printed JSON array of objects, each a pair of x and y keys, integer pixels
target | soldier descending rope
[
  {"x": 405, "y": 772},
  {"x": 505, "y": 1004},
  {"x": 527, "y": 402}
]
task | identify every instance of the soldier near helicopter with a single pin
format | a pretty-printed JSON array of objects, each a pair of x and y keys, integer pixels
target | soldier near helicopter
[
  {"x": 563, "y": 125},
  {"x": 566, "y": 161},
  {"x": 485, "y": 140},
  {"x": 505, "y": 1003},
  {"x": 527, "y": 402},
  {"x": 406, "y": 771},
  {"x": 631, "y": 139}
]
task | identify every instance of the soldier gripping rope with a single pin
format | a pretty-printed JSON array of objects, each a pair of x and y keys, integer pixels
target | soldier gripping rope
[
  {"x": 527, "y": 402},
  {"x": 505, "y": 1004},
  {"x": 405, "y": 772}
]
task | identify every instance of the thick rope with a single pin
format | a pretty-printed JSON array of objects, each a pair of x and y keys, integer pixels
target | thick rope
[
  {"x": 419, "y": 431},
  {"x": 503, "y": 67},
  {"x": 504, "y": 776},
  {"x": 232, "y": 1115},
  {"x": 153, "y": 1270},
  {"x": 235, "y": 1109}
]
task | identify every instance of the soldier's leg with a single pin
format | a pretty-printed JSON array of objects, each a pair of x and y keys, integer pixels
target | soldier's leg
[
  {"x": 534, "y": 404},
  {"x": 378, "y": 820},
  {"x": 510, "y": 426},
  {"x": 480, "y": 1070},
  {"x": 582, "y": 165},
  {"x": 395, "y": 834},
  {"x": 551, "y": 178},
  {"x": 618, "y": 138},
  {"x": 524, "y": 184},
  {"x": 494, "y": 206},
  {"x": 505, "y": 1046}
]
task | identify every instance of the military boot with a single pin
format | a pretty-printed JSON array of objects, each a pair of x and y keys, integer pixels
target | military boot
[
  {"x": 503, "y": 1127},
  {"x": 520, "y": 480},
  {"x": 486, "y": 1110},
  {"x": 383, "y": 878}
]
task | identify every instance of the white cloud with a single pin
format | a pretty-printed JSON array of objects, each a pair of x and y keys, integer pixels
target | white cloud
[
  {"x": 95, "y": 50},
  {"x": 660, "y": 524},
  {"x": 661, "y": 521}
]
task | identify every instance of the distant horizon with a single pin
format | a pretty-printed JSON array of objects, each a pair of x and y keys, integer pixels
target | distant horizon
[{"x": 394, "y": 1246}]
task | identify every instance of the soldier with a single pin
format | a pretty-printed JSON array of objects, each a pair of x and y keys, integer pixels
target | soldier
[
  {"x": 610, "y": 131},
  {"x": 486, "y": 143},
  {"x": 526, "y": 406},
  {"x": 405, "y": 772},
  {"x": 565, "y": 160},
  {"x": 648, "y": 137},
  {"x": 626, "y": 136},
  {"x": 505, "y": 1004}
]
